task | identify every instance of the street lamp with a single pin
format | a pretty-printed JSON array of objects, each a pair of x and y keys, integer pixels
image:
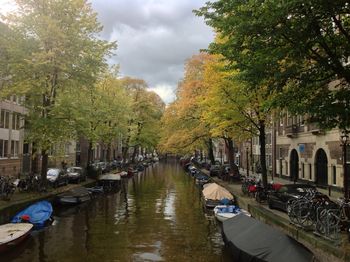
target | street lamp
[
  {"x": 247, "y": 158},
  {"x": 345, "y": 139}
]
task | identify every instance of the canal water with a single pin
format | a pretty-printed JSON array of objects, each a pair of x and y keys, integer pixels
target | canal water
[{"x": 158, "y": 216}]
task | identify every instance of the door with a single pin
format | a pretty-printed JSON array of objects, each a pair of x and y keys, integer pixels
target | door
[
  {"x": 294, "y": 165},
  {"x": 321, "y": 164}
]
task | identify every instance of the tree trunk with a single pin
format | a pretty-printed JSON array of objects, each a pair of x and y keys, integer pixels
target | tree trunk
[
  {"x": 89, "y": 156},
  {"x": 231, "y": 159},
  {"x": 263, "y": 152},
  {"x": 134, "y": 153},
  {"x": 34, "y": 159},
  {"x": 108, "y": 157},
  {"x": 126, "y": 149},
  {"x": 210, "y": 151},
  {"x": 44, "y": 164}
]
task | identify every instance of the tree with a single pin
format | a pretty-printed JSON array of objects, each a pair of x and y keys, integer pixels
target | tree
[
  {"x": 144, "y": 121},
  {"x": 57, "y": 51},
  {"x": 100, "y": 112},
  {"x": 235, "y": 110},
  {"x": 183, "y": 129},
  {"x": 302, "y": 45}
]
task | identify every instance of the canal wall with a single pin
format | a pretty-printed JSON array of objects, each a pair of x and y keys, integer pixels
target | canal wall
[
  {"x": 324, "y": 251},
  {"x": 20, "y": 200}
]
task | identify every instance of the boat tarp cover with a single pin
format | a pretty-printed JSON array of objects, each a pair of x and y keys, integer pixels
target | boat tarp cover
[
  {"x": 216, "y": 192},
  {"x": 110, "y": 177},
  {"x": 75, "y": 192},
  {"x": 250, "y": 240},
  {"x": 38, "y": 213}
]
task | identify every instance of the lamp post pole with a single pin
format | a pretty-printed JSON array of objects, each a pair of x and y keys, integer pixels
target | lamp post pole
[
  {"x": 345, "y": 139},
  {"x": 247, "y": 156}
]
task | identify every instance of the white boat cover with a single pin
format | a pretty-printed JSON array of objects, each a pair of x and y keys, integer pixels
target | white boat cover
[
  {"x": 215, "y": 192},
  {"x": 10, "y": 232},
  {"x": 110, "y": 177}
]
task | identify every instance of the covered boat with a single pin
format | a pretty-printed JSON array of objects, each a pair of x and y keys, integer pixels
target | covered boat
[
  {"x": 95, "y": 189},
  {"x": 39, "y": 214},
  {"x": 223, "y": 212},
  {"x": 12, "y": 234},
  {"x": 74, "y": 196},
  {"x": 110, "y": 182},
  {"x": 214, "y": 194},
  {"x": 251, "y": 240}
]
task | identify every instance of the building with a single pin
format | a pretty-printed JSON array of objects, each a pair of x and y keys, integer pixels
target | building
[
  {"x": 305, "y": 152},
  {"x": 12, "y": 136}
]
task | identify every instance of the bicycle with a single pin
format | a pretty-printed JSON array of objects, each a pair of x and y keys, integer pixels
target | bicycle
[
  {"x": 7, "y": 188},
  {"x": 304, "y": 211},
  {"x": 330, "y": 222}
]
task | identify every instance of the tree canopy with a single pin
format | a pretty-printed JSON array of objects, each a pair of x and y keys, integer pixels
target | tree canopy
[{"x": 301, "y": 46}]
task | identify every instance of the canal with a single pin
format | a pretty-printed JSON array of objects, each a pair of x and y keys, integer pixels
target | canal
[{"x": 158, "y": 216}]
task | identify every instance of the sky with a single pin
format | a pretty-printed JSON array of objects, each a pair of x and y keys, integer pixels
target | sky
[{"x": 154, "y": 37}]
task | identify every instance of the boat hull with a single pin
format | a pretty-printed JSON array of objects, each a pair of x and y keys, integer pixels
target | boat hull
[
  {"x": 74, "y": 196},
  {"x": 222, "y": 216},
  {"x": 8, "y": 239}
]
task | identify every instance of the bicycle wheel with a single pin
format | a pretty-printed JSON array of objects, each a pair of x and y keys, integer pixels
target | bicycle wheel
[{"x": 305, "y": 214}]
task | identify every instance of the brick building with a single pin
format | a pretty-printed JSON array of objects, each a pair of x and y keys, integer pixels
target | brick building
[{"x": 11, "y": 136}]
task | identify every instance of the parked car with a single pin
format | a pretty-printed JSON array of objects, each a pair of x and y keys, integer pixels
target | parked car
[
  {"x": 103, "y": 166},
  {"x": 232, "y": 173},
  {"x": 215, "y": 170},
  {"x": 57, "y": 177},
  {"x": 115, "y": 164},
  {"x": 279, "y": 199},
  {"x": 76, "y": 174}
]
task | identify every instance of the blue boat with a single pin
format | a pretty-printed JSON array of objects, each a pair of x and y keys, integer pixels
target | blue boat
[{"x": 39, "y": 214}]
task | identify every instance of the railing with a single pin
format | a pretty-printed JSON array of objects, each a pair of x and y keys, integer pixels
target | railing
[{"x": 291, "y": 131}]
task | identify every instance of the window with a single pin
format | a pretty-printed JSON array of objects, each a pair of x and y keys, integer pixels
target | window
[
  {"x": 4, "y": 119},
  {"x": 18, "y": 121},
  {"x": 310, "y": 171},
  {"x": 14, "y": 120},
  {"x": 3, "y": 148},
  {"x": 334, "y": 175},
  {"x": 26, "y": 148},
  {"x": 301, "y": 120},
  {"x": 14, "y": 148},
  {"x": 348, "y": 154},
  {"x": 302, "y": 170}
]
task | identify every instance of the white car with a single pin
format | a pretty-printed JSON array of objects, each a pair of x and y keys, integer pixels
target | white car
[
  {"x": 57, "y": 177},
  {"x": 76, "y": 174}
]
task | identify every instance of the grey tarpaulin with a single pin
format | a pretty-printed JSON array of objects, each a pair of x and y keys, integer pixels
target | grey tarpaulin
[{"x": 250, "y": 240}]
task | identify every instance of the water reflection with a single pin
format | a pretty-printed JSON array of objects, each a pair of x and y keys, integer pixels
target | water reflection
[{"x": 158, "y": 216}]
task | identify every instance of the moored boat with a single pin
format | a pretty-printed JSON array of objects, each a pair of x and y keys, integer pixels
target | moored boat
[
  {"x": 95, "y": 189},
  {"x": 74, "y": 196},
  {"x": 110, "y": 182},
  {"x": 215, "y": 195},
  {"x": 12, "y": 234},
  {"x": 39, "y": 214},
  {"x": 251, "y": 240},
  {"x": 223, "y": 212}
]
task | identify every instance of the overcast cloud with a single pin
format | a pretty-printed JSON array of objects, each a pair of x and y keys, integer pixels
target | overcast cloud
[{"x": 154, "y": 38}]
